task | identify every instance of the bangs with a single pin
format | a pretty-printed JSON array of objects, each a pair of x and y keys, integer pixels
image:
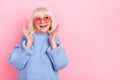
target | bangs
[{"x": 39, "y": 13}]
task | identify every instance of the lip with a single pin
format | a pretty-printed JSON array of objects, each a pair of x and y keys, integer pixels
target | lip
[{"x": 43, "y": 26}]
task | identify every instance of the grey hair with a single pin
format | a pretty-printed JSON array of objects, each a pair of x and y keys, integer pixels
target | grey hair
[{"x": 36, "y": 13}]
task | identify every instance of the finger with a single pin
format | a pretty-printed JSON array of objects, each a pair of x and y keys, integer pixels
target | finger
[
  {"x": 57, "y": 26},
  {"x": 26, "y": 35},
  {"x": 25, "y": 32},
  {"x": 31, "y": 30},
  {"x": 51, "y": 35},
  {"x": 54, "y": 34},
  {"x": 56, "y": 29}
]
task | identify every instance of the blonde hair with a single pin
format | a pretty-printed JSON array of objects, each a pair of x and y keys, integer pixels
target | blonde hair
[{"x": 36, "y": 13}]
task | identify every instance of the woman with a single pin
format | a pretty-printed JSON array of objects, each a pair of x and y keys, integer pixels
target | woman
[{"x": 39, "y": 55}]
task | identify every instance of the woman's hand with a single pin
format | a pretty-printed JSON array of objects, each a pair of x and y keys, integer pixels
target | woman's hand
[
  {"x": 52, "y": 38},
  {"x": 29, "y": 36}
]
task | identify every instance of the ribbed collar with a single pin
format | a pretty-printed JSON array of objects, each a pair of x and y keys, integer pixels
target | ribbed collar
[{"x": 42, "y": 34}]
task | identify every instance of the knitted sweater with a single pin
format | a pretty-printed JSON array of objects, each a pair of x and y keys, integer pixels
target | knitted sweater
[{"x": 39, "y": 62}]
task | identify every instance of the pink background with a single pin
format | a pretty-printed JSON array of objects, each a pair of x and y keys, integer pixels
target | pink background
[{"x": 89, "y": 31}]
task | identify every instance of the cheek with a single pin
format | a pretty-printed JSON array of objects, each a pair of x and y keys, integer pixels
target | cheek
[
  {"x": 49, "y": 23},
  {"x": 37, "y": 22},
  {"x": 35, "y": 25}
]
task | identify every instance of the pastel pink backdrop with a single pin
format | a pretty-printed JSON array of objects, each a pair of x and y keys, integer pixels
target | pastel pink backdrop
[{"x": 89, "y": 31}]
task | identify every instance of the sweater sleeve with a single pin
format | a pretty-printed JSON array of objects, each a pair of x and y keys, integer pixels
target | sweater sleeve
[
  {"x": 57, "y": 56},
  {"x": 20, "y": 55}
]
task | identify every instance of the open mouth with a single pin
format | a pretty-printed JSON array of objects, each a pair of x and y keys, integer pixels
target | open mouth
[{"x": 43, "y": 26}]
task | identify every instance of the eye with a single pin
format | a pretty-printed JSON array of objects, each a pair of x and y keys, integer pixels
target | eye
[
  {"x": 38, "y": 19},
  {"x": 46, "y": 17}
]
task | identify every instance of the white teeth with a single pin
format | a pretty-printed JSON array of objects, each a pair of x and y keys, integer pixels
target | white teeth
[{"x": 43, "y": 26}]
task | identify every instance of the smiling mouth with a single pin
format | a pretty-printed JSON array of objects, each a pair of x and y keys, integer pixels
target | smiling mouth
[{"x": 43, "y": 26}]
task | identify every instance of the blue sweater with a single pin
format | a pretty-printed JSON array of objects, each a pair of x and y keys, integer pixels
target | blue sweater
[{"x": 39, "y": 62}]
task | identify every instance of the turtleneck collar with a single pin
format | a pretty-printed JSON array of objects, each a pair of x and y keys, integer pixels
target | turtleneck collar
[{"x": 42, "y": 34}]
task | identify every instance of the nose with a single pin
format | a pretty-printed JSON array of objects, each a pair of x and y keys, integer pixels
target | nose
[{"x": 42, "y": 20}]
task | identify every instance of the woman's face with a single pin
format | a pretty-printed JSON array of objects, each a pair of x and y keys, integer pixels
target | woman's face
[{"x": 42, "y": 23}]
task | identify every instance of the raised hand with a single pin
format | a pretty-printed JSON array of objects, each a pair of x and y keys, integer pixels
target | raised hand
[
  {"x": 52, "y": 38},
  {"x": 29, "y": 36}
]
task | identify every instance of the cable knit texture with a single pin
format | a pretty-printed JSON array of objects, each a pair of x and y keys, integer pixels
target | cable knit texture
[{"x": 39, "y": 62}]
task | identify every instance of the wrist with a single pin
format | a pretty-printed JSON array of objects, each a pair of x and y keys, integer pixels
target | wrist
[
  {"x": 28, "y": 44},
  {"x": 53, "y": 45}
]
